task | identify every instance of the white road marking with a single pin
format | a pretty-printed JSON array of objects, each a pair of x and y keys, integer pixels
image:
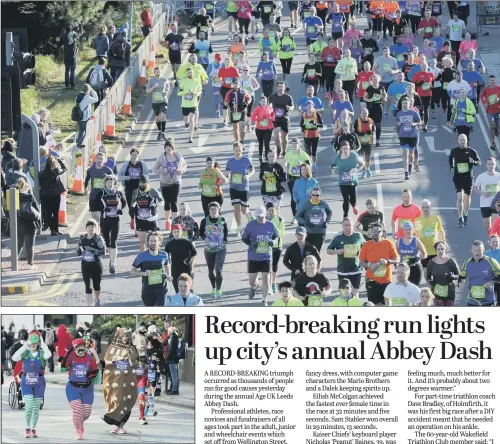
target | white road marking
[
  {"x": 447, "y": 129},
  {"x": 483, "y": 130},
  {"x": 432, "y": 148},
  {"x": 202, "y": 139},
  {"x": 376, "y": 161}
]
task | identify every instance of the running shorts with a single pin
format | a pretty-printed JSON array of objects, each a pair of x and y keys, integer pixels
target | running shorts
[
  {"x": 284, "y": 124},
  {"x": 187, "y": 111},
  {"x": 145, "y": 225},
  {"x": 159, "y": 108},
  {"x": 463, "y": 182},
  {"x": 259, "y": 266},
  {"x": 487, "y": 212},
  {"x": 174, "y": 57},
  {"x": 408, "y": 142},
  {"x": 337, "y": 35},
  {"x": 239, "y": 197},
  {"x": 494, "y": 118}
]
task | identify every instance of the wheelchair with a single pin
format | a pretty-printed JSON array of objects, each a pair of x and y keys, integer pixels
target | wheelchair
[{"x": 16, "y": 397}]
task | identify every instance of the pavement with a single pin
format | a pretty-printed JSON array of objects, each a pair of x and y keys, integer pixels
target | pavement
[
  {"x": 174, "y": 425},
  {"x": 434, "y": 182}
]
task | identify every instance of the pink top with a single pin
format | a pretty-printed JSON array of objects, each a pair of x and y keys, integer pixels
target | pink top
[
  {"x": 261, "y": 114},
  {"x": 350, "y": 34},
  {"x": 408, "y": 40},
  {"x": 244, "y": 10},
  {"x": 465, "y": 46}
]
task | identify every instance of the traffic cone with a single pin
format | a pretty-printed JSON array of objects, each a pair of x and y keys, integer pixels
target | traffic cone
[
  {"x": 142, "y": 80},
  {"x": 97, "y": 145},
  {"x": 127, "y": 105},
  {"x": 152, "y": 61},
  {"x": 63, "y": 216},
  {"x": 110, "y": 127},
  {"x": 77, "y": 187}
]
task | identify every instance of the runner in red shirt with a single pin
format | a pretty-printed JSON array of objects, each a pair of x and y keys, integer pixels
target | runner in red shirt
[
  {"x": 491, "y": 100},
  {"x": 428, "y": 24},
  {"x": 406, "y": 212},
  {"x": 330, "y": 56},
  {"x": 226, "y": 75},
  {"x": 424, "y": 81},
  {"x": 363, "y": 79}
]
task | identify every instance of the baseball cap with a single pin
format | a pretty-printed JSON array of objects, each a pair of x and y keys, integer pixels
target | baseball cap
[
  {"x": 78, "y": 342},
  {"x": 209, "y": 159},
  {"x": 260, "y": 211},
  {"x": 33, "y": 338},
  {"x": 177, "y": 227},
  {"x": 407, "y": 225},
  {"x": 300, "y": 230}
]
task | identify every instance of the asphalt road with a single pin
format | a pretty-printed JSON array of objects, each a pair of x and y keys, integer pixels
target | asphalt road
[
  {"x": 172, "y": 425},
  {"x": 434, "y": 182}
]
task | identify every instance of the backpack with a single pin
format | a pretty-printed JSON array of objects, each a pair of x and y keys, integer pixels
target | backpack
[
  {"x": 118, "y": 50},
  {"x": 76, "y": 112},
  {"x": 97, "y": 79},
  {"x": 28, "y": 211},
  {"x": 49, "y": 337},
  {"x": 181, "y": 349}
]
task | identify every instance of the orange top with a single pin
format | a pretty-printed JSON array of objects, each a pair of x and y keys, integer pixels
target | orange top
[
  {"x": 404, "y": 214},
  {"x": 390, "y": 10},
  {"x": 377, "y": 9},
  {"x": 344, "y": 5},
  {"x": 373, "y": 252},
  {"x": 235, "y": 49},
  {"x": 321, "y": 5}
]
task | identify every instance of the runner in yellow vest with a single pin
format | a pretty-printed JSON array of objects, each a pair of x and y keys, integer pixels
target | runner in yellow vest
[{"x": 287, "y": 299}]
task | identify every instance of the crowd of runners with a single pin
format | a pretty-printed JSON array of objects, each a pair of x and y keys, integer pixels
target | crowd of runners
[
  {"x": 131, "y": 369},
  {"x": 408, "y": 64}
]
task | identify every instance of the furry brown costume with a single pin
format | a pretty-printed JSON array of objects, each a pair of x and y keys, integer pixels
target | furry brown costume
[{"x": 119, "y": 382}]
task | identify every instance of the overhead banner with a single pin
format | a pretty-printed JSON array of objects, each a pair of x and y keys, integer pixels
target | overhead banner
[{"x": 488, "y": 13}]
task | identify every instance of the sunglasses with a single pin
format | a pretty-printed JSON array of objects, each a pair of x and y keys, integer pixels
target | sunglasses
[{"x": 316, "y": 195}]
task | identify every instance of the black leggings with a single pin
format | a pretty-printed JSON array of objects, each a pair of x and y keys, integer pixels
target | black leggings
[
  {"x": 322, "y": 13},
  {"x": 128, "y": 198},
  {"x": 376, "y": 116},
  {"x": 329, "y": 76},
  {"x": 349, "y": 86},
  {"x": 446, "y": 104},
  {"x": 267, "y": 87},
  {"x": 26, "y": 235},
  {"x": 205, "y": 201},
  {"x": 415, "y": 274},
  {"x": 365, "y": 152},
  {"x": 170, "y": 196},
  {"x": 286, "y": 65},
  {"x": 311, "y": 145},
  {"x": 426, "y": 102},
  {"x": 388, "y": 26},
  {"x": 415, "y": 21},
  {"x": 50, "y": 207},
  {"x": 215, "y": 261},
  {"x": 110, "y": 228},
  {"x": 349, "y": 195},
  {"x": 436, "y": 97},
  {"x": 244, "y": 24},
  {"x": 291, "y": 182},
  {"x": 316, "y": 239},
  {"x": 92, "y": 271},
  {"x": 264, "y": 138}
]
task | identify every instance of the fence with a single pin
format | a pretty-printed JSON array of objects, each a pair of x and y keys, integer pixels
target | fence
[{"x": 116, "y": 94}]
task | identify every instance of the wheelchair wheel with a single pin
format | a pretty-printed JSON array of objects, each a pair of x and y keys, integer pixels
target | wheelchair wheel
[{"x": 12, "y": 395}]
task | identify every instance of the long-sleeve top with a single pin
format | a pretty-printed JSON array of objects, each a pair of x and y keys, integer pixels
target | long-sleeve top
[
  {"x": 347, "y": 68},
  {"x": 49, "y": 180},
  {"x": 272, "y": 177},
  {"x": 460, "y": 160},
  {"x": 94, "y": 245},
  {"x": 264, "y": 116},
  {"x": 168, "y": 169},
  {"x": 294, "y": 256},
  {"x": 204, "y": 223},
  {"x": 302, "y": 189},
  {"x": 86, "y": 101},
  {"x": 18, "y": 355},
  {"x": 268, "y": 70},
  {"x": 312, "y": 72},
  {"x": 314, "y": 217}
]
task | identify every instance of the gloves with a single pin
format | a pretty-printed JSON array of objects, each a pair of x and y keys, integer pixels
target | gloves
[
  {"x": 119, "y": 212},
  {"x": 412, "y": 261},
  {"x": 79, "y": 251}
]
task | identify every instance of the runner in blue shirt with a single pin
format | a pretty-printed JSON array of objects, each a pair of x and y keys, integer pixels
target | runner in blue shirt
[
  {"x": 239, "y": 169},
  {"x": 312, "y": 25},
  {"x": 396, "y": 90},
  {"x": 317, "y": 102},
  {"x": 259, "y": 235},
  {"x": 408, "y": 121},
  {"x": 398, "y": 51}
]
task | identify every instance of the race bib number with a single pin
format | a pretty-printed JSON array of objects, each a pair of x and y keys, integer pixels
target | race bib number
[
  {"x": 208, "y": 190},
  {"x": 267, "y": 72},
  {"x": 492, "y": 189},
  {"x": 134, "y": 173},
  {"x": 157, "y": 96},
  {"x": 264, "y": 122},
  {"x": 189, "y": 96},
  {"x": 32, "y": 378},
  {"x": 155, "y": 277},
  {"x": 307, "y": 13},
  {"x": 392, "y": 15},
  {"x": 267, "y": 9},
  {"x": 212, "y": 243},
  {"x": 113, "y": 212},
  {"x": 329, "y": 58},
  {"x": 285, "y": 48},
  {"x": 445, "y": 85},
  {"x": 271, "y": 187},
  {"x": 184, "y": 234},
  {"x": 228, "y": 80},
  {"x": 426, "y": 86},
  {"x": 315, "y": 219},
  {"x": 350, "y": 251},
  {"x": 237, "y": 178},
  {"x": 406, "y": 128},
  {"x": 478, "y": 292},
  {"x": 88, "y": 256},
  {"x": 429, "y": 233},
  {"x": 121, "y": 366},
  {"x": 311, "y": 29},
  {"x": 399, "y": 302},
  {"x": 400, "y": 57},
  {"x": 346, "y": 177},
  {"x": 314, "y": 301},
  {"x": 365, "y": 85},
  {"x": 492, "y": 99},
  {"x": 380, "y": 271},
  {"x": 386, "y": 67},
  {"x": 463, "y": 167},
  {"x": 79, "y": 370},
  {"x": 98, "y": 183},
  {"x": 365, "y": 138},
  {"x": 441, "y": 290},
  {"x": 144, "y": 213},
  {"x": 428, "y": 30},
  {"x": 152, "y": 375},
  {"x": 377, "y": 11},
  {"x": 237, "y": 116},
  {"x": 311, "y": 73},
  {"x": 139, "y": 371},
  {"x": 376, "y": 98},
  {"x": 280, "y": 112},
  {"x": 263, "y": 247},
  {"x": 296, "y": 171},
  {"x": 455, "y": 28}
]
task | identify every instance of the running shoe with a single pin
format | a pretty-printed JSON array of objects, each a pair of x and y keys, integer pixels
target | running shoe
[
  {"x": 214, "y": 292},
  {"x": 219, "y": 293},
  {"x": 326, "y": 96},
  {"x": 190, "y": 140},
  {"x": 143, "y": 421},
  {"x": 355, "y": 210},
  {"x": 448, "y": 124},
  {"x": 112, "y": 269},
  {"x": 417, "y": 169},
  {"x": 79, "y": 436},
  {"x": 252, "y": 38},
  {"x": 158, "y": 137},
  {"x": 155, "y": 414},
  {"x": 407, "y": 177},
  {"x": 249, "y": 217},
  {"x": 217, "y": 113},
  {"x": 132, "y": 224},
  {"x": 294, "y": 221},
  {"x": 264, "y": 302},
  {"x": 363, "y": 175},
  {"x": 238, "y": 232},
  {"x": 425, "y": 128},
  {"x": 274, "y": 288},
  {"x": 28, "y": 433},
  {"x": 493, "y": 146},
  {"x": 97, "y": 303},
  {"x": 33, "y": 434},
  {"x": 251, "y": 292},
  {"x": 368, "y": 173},
  {"x": 378, "y": 143},
  {"x": 226, "y": 125},
  {"x": 460, "y": 222},
  {"x": 466, "y": 217},
  {"x": 167, "y": 225}
]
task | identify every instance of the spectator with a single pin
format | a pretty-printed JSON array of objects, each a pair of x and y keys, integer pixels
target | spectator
[
  {"x": 139, "y": 339},
  {"x": 111, "y": 34},
  {"x": 42, "y": 134},
  {"x": 51, "y": 188},
  {"x": 8, "y": 149},
  {"x": 119, "y": 55},
  {"x": 101, "y": 43},
  {"x": 100, "y": 80},
  {"x": 16, "y": 172},
  {"x": 84, "y": 99},
  {"x": 44, "y": 114},
  {"x": 28, "y": 221},
  {"x": 147, "y": 21},
  {"x": 68, "y": 39},
  {"x": 64, "y": 340},
  {"x": 45, "y": 153},
  {"x": 49, "y": 337},
  {"x": 173, "y": 360}
]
